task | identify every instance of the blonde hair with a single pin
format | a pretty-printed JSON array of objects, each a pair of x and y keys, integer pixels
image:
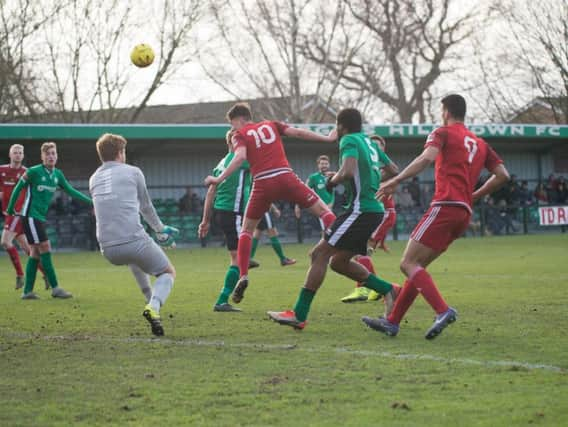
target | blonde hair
[
  {"x": 47, "y": 146},
  {"x": 14, "y": 146},
  {"x": 109, "y": 145}
]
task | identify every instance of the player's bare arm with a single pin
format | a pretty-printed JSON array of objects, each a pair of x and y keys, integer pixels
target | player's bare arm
[
  {"x": 389, "y": 171},
  {"x": 23, "y": 182},
  {"x": 207, "y": 209},
  {"x": 308, "y": 135},
  {"x": 420, "y": 163},
  {"x": 500, "y": 176},
  {"x": 346, "y": 172},
  {"x": 240, "y": 157}
]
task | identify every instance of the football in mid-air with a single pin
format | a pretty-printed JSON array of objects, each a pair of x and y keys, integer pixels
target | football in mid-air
[{"x": 142, "y": 55}]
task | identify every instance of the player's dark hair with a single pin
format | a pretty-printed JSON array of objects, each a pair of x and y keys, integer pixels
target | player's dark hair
[
  {"x": 350, "y": 119},
  {"x": 322, "y": 157},
  {"x": 455, "y": 104},
  {"x": 240, "y": 109},
  {"x": 109, "y": 145}
]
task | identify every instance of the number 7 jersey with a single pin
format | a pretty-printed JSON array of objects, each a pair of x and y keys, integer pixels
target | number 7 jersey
[
  {"x": 265, "y": 151},
  {"x": 462, "y": 157}
]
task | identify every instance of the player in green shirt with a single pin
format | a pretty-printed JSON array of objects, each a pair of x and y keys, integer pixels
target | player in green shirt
[
  {"x": 43, "y": 181},
  {"x": 317, "y": 182},
  {"x": 348, "y": 235},
  {"x": 226, "y": 202}
]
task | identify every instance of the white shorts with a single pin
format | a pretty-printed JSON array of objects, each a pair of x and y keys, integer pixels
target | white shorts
[{"x": 145, "y": 253}]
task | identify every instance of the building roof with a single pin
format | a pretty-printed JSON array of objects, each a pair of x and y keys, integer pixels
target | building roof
[
  {"x": 543, "y": 110},
  {"x": 313, "y": 109}
]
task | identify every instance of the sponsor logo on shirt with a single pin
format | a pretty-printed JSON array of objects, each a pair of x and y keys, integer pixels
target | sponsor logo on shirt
[{"x": 46, "y": 188}]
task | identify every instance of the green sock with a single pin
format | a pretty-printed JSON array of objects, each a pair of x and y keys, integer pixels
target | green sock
[
  {"x": 31, "y": 270},
  {"x": 277, "y": 247},
  {"x": 378, "y": 285},
  {"x": 48, "y": 268},
  {"x": 254, "y": 246},
  {"x": 302, "y": 306},
  {"x": 231, "y": 279}
]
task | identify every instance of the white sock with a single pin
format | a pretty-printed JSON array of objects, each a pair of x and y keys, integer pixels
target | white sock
[
  {"x": 143, "y": 281},
  {"x": 162, "y": 288}
]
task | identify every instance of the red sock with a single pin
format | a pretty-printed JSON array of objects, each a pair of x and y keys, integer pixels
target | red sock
[
  {"x": 243, "y": 252},
  {"x": 422, "y": 281},
  {"x": 403, "y": 302},
  {"x": 327, "y": 218},
  {"x": 15, "y": 258},
  {"x": 366, "y": 262}
]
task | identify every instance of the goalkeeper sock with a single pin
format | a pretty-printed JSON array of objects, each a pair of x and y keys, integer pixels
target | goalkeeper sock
[
  {"x": 231, "y": 279},
  {"x": 162, "y": 288},
  {"x": 277, "y": 247},
  {"x": 45, "y": 260},
  {"x": 254, "y": 246},
  {"x": 377, "y": 284},
  {"x": 302, "y": 307},
  {"x": 31, "y": 270},
  {"x": 143, "y": 281}
]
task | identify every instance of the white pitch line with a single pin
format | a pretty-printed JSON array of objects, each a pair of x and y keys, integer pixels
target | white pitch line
[{"x": 338, "y": 350}]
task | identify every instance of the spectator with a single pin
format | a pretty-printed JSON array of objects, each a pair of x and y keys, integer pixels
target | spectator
[
  {"x": 405, "y": 199},
  {"x": 414, "y": 190},
  {"x": 189, "y": 202},
  {"x": 525, "y": 196},
  {"x": 550, "y": 188},
  {"x": 540, "y": 194},
  {"x": 561, "y": 192},
  {"x": 493, "y": 220},
  {"x": 427, "y": 191}
]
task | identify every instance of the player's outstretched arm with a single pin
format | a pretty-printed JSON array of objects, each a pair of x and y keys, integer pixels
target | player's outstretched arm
[
  {"x": 236, "y": 162},
  {"x": 207, "y": 210},
  {"x": 414, "y": 168},
  {"x": 497, "y": 180},
  {"x": 22, "y": 183},
  {"x": 76, "y": 194},
  {"x": 308, "y": 135}
]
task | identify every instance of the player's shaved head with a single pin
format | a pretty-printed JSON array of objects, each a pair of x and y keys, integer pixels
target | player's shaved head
[
  {"x": 350, "y": 120},
  {"x": 109, "y": 146},
  {"x": 240, "y": 110},
  {"x": 455, "y": 105}
]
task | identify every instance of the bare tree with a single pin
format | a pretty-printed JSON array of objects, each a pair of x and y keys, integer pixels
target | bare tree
[
  {"x": 409, "y": 44},
  {"x": 19, "y": 22},
  {"x": 531, "y": 59},
  {"x": 262, "y": 43},
  {"x": 78, "y": 68}
]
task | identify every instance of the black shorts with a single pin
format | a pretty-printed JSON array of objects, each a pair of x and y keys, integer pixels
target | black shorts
[
  {"x": 34, "y": 230},
  {"x": 351, "y": 231},
  {"x": 230, "y": 223},
  {"x": 265, "y": 222}
]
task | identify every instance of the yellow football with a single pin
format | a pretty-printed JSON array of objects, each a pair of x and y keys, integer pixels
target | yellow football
[{"x": 142, "y": 55}]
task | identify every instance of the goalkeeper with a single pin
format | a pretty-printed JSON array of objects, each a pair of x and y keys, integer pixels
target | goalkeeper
[{"x": 120, "y": 195}]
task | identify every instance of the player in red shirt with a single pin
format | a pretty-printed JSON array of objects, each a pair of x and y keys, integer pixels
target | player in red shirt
[
  {"x": 13, "y": 228},
  {"x": 459, "y": 157},
  {"x": 273, "y": 179}
]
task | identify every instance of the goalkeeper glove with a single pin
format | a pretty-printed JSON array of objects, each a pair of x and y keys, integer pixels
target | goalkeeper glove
[{"x": 167, "y": 236}]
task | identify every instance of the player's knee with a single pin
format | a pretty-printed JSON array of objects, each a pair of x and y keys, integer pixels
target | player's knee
[
  {"x": 338, "y": 264},
  {"x": 406, "y": 266},
  {"x": 171, "y": 270}
]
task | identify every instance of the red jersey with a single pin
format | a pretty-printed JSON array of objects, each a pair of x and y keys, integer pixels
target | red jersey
[
  {"x": 9, "y": 177},
  {"x": 265, "y": 151},
  {"x": 462, "y": 157}
]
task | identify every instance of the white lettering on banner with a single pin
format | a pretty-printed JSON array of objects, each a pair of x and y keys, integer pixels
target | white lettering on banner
[
  {"x": 497, "y": 129},
  {"x": 424, "y": 130},
  {"x": 553, "y": 215},
  {"x": 517, "y": 130},
  {"x": 554, "y": 130},
  {"x": 393, "y": 130}
]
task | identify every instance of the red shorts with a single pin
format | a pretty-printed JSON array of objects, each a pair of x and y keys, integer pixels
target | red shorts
[
  {"x": 286, "y": 186},
  {"x": 389, "y": 220},
  {"x": 440, "y": 226},
  {"x": 13, "y": 223}
]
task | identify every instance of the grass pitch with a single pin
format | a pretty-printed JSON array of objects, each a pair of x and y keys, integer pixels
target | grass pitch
[{"x": 92, "y": 361}]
